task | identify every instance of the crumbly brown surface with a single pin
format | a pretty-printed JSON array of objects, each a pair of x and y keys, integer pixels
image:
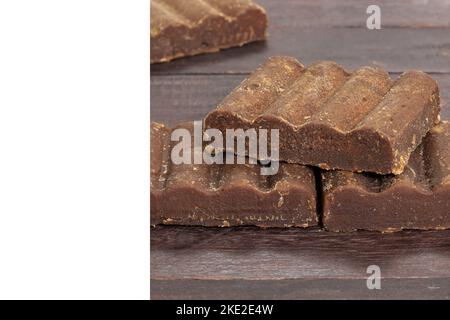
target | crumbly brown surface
[
  {"x": 181, "y": 28},
  {"x": 419, "y": 198},
  {"x": 227, "y": 194},
  {"x": 327, "y": 117}
]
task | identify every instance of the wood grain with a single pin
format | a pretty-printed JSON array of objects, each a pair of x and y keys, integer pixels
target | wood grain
[
  {"x": 255, "y": 254},
  {"x": 294, "y": 289},
  {"x": 178, "y": 98},
  {"x": 394, "y": 49},
  {"x": 250, "y": 263},
  {"x": 352, "y": 13}
]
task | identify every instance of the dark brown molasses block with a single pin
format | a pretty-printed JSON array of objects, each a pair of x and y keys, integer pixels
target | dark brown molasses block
[
  {"x": 227, "y": 194},
  {"x": 419, "y": 198},
  {"x": 183, "y": 28},
  {"x": 359, "y": 121}
]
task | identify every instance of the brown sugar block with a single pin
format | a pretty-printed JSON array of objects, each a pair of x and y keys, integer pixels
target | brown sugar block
[
  {"x": 327, "y": 117},
  {"x": 419, "y": 198},
  {"x": 183, "y": 28},
  {"x": 227, "y": 194}
]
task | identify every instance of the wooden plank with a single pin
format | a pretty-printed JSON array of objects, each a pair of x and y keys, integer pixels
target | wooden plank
[
  {"x": 257, "y": 254},
  {"x": 352, "y": 13},
  {"x": 437, "y": 288},
  {"x": 180, "y": 98},
  {"x": 395, "y": 50},
  {"x": 191, "y": 97}
]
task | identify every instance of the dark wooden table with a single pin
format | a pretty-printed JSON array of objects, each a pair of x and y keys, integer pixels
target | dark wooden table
[{"x": 235, "y": 263}]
